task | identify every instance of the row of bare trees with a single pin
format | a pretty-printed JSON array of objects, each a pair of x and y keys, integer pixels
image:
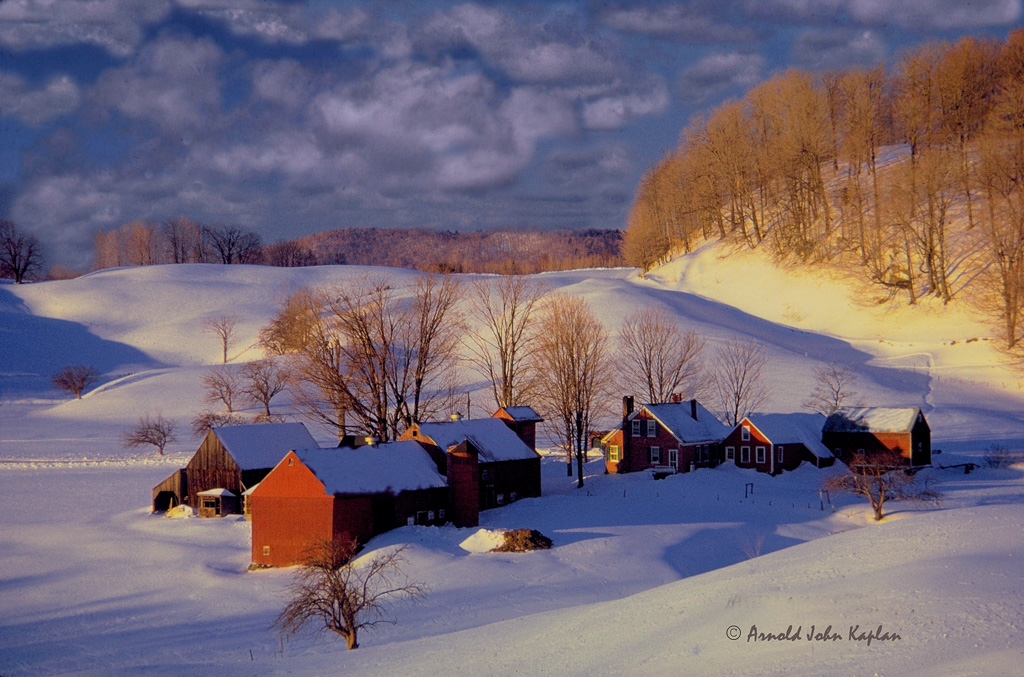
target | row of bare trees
[{"x": 805, "y": 166}]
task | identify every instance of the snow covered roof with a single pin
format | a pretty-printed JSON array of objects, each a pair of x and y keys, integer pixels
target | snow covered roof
[
  {"x": 391, "y": 467},
  {"x": 263, "y": 445},
  {"x": 216, "y": 492},
  {"x": 677, "y": 417},
  {"x": 494, "y": 440},
  {"x": 785, "y": 429},
  {"x": 873, "y": 419},
  {"x": 522, "y": 414}
]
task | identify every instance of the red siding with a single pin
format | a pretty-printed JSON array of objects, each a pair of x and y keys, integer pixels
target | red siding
[
  {"x": 464, "y": 483},
  {"x": 289, "y": 512},
  {"x": 614, "y": 466},
  {"x": 637, "y": 450},
  {"x": 735, "y": 440}
]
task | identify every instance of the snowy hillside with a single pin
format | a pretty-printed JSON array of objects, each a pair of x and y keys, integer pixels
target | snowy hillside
[{"x": 645, "y": 577}]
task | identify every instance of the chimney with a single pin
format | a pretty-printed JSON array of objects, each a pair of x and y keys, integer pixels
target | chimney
[
  {"x": 456, "y": 416},
  {"x": 627, "y": 406},
  {"x": 676, "y": 398},
  {"x": 693, "y": 409}
]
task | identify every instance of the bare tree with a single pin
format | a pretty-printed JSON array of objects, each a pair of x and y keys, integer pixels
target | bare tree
[
  {"x": 501, "y": 348},
  {"x": 21, "y": 255},
  {"x": 75, "y": 379},
  {"x": 833, "y": 388},
  {"x": 573, "y": 354},
  {"x": 205, "y": 421},
  {"x": 291, "y": 330},
  {"x": 263, "y": 381},
  {"x": 335, "y": 593},
  {"x": 185, "y": 240},
  {"x": 288, "y": 254},
  {"x": 738, "y": 378},
  {"x": 221, "y": 386},
  {"x": 157, "y": 432},
  {"x": 234, "y": 244},
  {"x": 223, "y": 327},
  {"x": 879, "y": 478},
  {"x": 657, "y": 359}
]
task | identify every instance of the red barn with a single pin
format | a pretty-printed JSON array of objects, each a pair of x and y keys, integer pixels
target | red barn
[
  {"x": 340, "y": 493},
  {"x": 523, "y": 422},
  {"x": 871, "y": 430},
  {"x": 670, "y": 437},
  {"x": 772, "y": 443},
  {"x": 507, "y": 469},
  {"x": 233, "y": 458}
]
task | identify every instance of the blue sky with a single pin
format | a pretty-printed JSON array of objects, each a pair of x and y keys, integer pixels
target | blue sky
[{"x": 293, "y": 117}]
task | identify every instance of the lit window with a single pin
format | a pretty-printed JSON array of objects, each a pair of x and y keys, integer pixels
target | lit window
[
  {"x": 613, "y": 452},
  {"x": 266, "y": 550},
  {"x": 760, "y": 454}
]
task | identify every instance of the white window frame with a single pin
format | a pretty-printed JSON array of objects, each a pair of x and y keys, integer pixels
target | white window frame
[
  {"x": 745, "y": 433},
  {"x": 759, "y": 452},
  {"x": 613, "y": 452},
  {"x": 635, "y": 431},
  {"x": 730, "y": 453},
  {"x": 652, "y": 428},
  {"x": 744, "y": 454},
  {"x": 673, "y": 458},
  {"x": 779, "y": 454},
  {"x": 654, "y": 454}
]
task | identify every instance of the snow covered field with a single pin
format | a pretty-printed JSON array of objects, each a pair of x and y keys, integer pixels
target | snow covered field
[{"x": 645, "y": 577}]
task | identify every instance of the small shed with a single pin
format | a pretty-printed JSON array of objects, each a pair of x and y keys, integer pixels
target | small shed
[
  {"x": 868, "y": 431},
  {"x": 217, "y": 503}
]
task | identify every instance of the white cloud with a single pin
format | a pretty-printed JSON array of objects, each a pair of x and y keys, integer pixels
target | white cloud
[
  {"x": 647, "y": 95},
  {"x": 35, "y": 106},
  {"x": 835, "y": 49},
  {"x": 679, "y": 21},
  {"x": 717, "y": 73},
  {"x": 935, "y": 14},
  {"x": 115, "y": 25}
]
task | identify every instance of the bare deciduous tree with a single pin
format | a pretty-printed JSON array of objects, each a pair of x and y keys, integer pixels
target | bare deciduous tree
[
  {"x": 75, "y": 379},
  {"x": 205, "y": 421},
  {"x": 502, "y": 348},
  {"x": 157, "y": 432},
  {"x": 573, "y": 355},
  {"x": 879, "y": 478},
  {"x": 738, "y": 378},
  {"x": 657, "y": 359},
  {"x": 264, "y": 380},
  {"x": 234, "y": 244},
  {"x": 336, "y": 593},
  {"x": 294, "y": 326},
  {"x": 185, "y": 240},
  {"x": 833, "y": 388},
  {"x": 21, "y": 255},
  {"x": 221, "y": 386},
  {"x": 223, "y": 327}
]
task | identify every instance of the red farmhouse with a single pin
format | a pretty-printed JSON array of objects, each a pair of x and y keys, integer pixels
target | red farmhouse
[
  {"x": 873, "y": 430},
  {"x": 340, "y": 494},
  {"x": 772, "y": 443},
  {"x": 673, "y": 436}
]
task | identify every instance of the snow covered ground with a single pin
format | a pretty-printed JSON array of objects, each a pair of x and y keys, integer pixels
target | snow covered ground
[{"x": 645, "y": 577}]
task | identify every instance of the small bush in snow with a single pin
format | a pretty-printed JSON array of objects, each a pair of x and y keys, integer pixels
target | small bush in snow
[
  {"x": 998, "y": 456},
  {"x": 523, "y": 540}
]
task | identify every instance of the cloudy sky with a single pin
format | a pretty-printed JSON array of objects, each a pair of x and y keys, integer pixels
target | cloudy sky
[{"x": 294, "y": 117}]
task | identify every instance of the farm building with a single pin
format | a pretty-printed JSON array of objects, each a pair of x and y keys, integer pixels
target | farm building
[
  {"x": 502, "y": 465},
  {"x": 671, "y": 437},
  {"x": 523, "y": 422},
  {"x": 354, "y": 493},
  {"x": 772, "y": 443},
  {"x": 873, "y": 430},
  {"x": 233, "y": 459}
]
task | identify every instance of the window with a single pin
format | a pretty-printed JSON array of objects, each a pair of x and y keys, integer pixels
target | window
[
  {"x": 652, "y": 428},
  {"x": 266, "y": 550},
  {"x": 409, "y": 521},
  {"x": 745, "y": 433},
  {"x": 430, "y": 515},
  {"x": 655, "y": 455},
  {"x": 512, "y": 496},
  {"x": 501, "y": 499},
  {"x": 673, "y": 458},
  {"x": 291, "y": 461},
  {"x": 440, "y": 514},
  {"x": 760, "y": 454},
  {"x": 485, "y": 475},
  {"x": 744, "y": 454},
  {"x": 779, "y": 456},
  {"x": 421, "y": 517},
  {"x": 636, "y": 427},
  {"x": 730, "y": 453},
  {"x": 613, "y": 452}
]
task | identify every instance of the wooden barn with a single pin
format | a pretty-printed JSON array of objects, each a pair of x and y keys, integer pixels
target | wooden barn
[
  {"x": 232, "y": 458},
  {"x": 315, "y": 494},
  {"x": 873, "y": 430},
  {"x": 497, "y": 465},
  {"x": 772, "y": 443},
  {"x": 669, "y": 437}
]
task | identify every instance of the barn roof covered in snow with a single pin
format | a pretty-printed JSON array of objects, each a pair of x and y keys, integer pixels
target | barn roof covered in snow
[
  {"x": 678, "y": 418},
  {"x": 785, "y": 429},
  {"x": 263, "y": 445},
  {"x": 493, "y": 439},
  {"x": 873, "y": 420},
  {"x": 391, "y": 467},
  {"x": 521, "y": 414}
]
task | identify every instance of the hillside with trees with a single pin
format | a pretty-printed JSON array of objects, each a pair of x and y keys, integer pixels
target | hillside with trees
[{"x": 911, "y": 176}]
